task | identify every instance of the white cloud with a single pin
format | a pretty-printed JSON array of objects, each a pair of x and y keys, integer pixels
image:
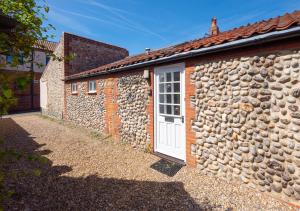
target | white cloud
[
  {"x": 119, "y": 17},
  {"x": 101, "y": 20},
  {"x": 68, "y": 22}
]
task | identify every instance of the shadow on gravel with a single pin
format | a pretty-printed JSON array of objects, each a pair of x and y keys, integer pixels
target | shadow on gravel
[{"x": 38, "y": 185}]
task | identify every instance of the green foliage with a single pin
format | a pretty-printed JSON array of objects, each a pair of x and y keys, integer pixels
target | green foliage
[
  {"x": 22, "y": 82},
  {"x": 8, "y": 156},
  {"x": 10, "y": 193},
  {"x": 7, "y": 97},
  {"x": 26, "y": 19},
  {"x": 13, "y": 174},
  {"x": 38, "y": 158},
  {"x": 149, "y": 148},
  {"x": 1, "y": 177},
  {"x": 36, "y": 172},
  {"x": 42, "y": 160}
]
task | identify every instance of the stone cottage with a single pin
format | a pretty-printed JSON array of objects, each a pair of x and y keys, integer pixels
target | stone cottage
[{"x": 227, "y": 103}]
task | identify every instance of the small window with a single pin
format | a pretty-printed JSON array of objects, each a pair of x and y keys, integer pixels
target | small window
[
  {"x": 169, "y": 94},
  {"x": 47, "y": 59},
  {"x": 92, "y": 86},
  {"x": 9, "y": 59},
  {"x": 74, "y": 88}
]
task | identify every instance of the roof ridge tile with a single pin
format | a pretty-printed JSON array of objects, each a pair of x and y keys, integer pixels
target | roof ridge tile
[{"x": 260, "y": 27}]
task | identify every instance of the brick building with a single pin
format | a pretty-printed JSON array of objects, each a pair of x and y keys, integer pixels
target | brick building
[
  {"x": 28, "y": 99},
  {"x": 227, "y": 104},
  {"x": 88, "y": 54}
]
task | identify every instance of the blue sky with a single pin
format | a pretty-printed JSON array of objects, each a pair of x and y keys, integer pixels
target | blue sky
[{"x": 139, "y": 24}]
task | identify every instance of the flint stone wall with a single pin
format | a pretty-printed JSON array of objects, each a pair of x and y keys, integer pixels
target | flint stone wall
[
  {"x": 54, "y": 75},
  {"x": 132, "y": 109},
  {"x": 247, "y": 122},
  {"x": 87, "y": 109}
]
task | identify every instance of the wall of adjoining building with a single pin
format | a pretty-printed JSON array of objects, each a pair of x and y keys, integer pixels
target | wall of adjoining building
[
  {"x": 39, "y": 63},
  {"x": 89, "y": 53},
  {"x": 75, "y": 54},
  {"x": 53, "y": 77},
  {"x": 27, "y": 99}
]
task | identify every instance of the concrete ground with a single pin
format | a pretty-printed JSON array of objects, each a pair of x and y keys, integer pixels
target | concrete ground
[{"x": 63, "y": 167}]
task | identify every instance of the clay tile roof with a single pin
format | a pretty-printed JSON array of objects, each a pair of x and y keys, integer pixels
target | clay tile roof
[
  {"x": 273, "y": 24},
  {"x": 46, "y": 45}
]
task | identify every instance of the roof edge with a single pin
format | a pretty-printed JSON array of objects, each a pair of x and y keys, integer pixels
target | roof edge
[
  {"x": 259, "y": 39},
  {"x": 36, "y": 47},
  {"x": 96, "y": 42}
]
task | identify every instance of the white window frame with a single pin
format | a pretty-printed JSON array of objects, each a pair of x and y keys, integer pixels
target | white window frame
[
  {"x": 92, "y": 88},
  {"x": 74, "y": 85}
]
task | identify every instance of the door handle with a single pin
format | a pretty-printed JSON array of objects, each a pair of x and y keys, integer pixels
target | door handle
[{"x": 182, "y": 119}]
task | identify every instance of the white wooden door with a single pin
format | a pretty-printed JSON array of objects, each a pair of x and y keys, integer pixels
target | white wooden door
[{"x": 170, "y": 111}]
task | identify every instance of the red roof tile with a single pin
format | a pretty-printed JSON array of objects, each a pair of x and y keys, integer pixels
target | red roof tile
[
  {"x": 273, "y": 24},
  {"x": 46, "y": 45}
]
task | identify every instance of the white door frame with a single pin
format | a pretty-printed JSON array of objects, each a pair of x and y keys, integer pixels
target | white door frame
[{"x": 155, "y": 98}]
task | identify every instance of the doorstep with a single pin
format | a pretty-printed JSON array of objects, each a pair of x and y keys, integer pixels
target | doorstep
[{"x": 169, "y": 158}]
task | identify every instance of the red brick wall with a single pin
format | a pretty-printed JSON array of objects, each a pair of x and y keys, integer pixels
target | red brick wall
[
  {"x": 24, "y": 99},
  {"x": 89, "y": 53},
  {"x": 190, "y": 113},
  {"x": 111, "y": 118},
  {"x": 150, "y": 109}
]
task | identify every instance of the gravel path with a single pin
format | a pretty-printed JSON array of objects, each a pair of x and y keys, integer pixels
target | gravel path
[{"x": 84, "y": 172}]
